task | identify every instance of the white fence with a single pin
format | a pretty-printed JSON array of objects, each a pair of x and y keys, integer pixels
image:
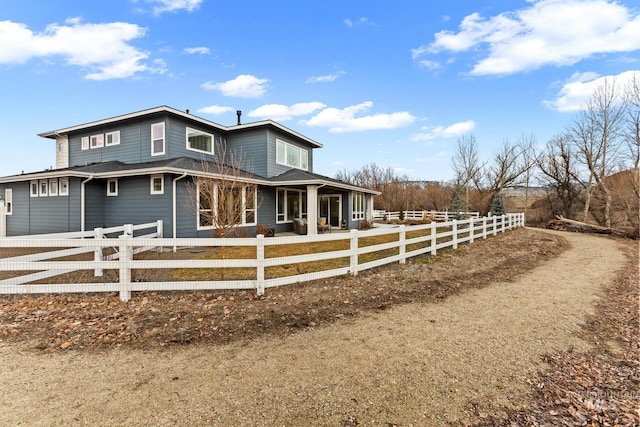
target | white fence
[
  {"x": 422, "y": 215},
  {"x": 427, "y": 238}
]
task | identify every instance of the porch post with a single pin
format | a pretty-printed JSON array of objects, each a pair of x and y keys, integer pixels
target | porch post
[
  {"x": 369, "y": 216},
  {"x": 312, "y": 210}
]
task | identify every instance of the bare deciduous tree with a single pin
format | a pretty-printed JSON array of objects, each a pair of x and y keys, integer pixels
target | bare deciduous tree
[
  {"x": 224, "y": 195},
  {"x": 558, "y": 167},
  {"x": 466, "y": 164},
  {"x": 596, "y": 133}
]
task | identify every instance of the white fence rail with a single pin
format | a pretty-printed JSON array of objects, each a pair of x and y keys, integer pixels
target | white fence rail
[
  {"x": 98, "y": 233},
  {"x": 428, "y": 238},
  {"x": 422, "y": 215}
]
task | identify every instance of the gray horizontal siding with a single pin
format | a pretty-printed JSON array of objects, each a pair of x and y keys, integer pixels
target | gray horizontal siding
[{"x": 273, "y": 168}]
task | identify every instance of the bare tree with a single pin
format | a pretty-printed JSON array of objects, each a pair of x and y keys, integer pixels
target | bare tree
[
  {"x": 505, "y": 170},
  {"x": 558, "y": 167},
  {"x": 466, "y": 164},
  {"x": 224, "y": 195},
  {"x": 596, "y": 133},
  {"x": 530, "y": 156}
]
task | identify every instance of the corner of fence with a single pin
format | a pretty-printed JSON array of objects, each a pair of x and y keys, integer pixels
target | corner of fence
[{"x": 125, "y": 258}]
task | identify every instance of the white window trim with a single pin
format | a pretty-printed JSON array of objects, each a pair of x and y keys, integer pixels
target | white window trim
[
  {"x": 153, "y": 178},
  {"x": 37, "y": 192},
  {"x": 302, "y": 194},
  {"x": 42, "y": 193},
  {"x": 195, "y": 149},
  {"x": 358, "y": 208},
  {"x": 8, "y": 201},
  {"x": 300, "y": 151},
  {"x": 109, "y": 192},
  {"x": 115, "y": 136},
  {"x": 63, "y": 190},
  {"x": 98, "y": 139},
  {"x": 164, "y": 139},
  {"x": 84, "y": 143},
  {"x": 53, "y": 187},
  {"x": 215, "y": 204}
]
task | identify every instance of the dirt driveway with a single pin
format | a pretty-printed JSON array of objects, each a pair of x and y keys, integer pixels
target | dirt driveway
[{"x": 413, "y": 364}]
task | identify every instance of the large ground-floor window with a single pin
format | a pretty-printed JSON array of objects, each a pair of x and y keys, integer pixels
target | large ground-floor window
[
  {"x": 357, "y": 206},
  {"x": 291, "y": 204},
  {"x": 225, "y": 205}
]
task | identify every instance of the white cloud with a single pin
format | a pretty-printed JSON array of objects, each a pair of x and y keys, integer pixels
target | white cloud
[
  {"x": 575, "y": 93},
  {"x": 549, "y": 32},
  {"x": 102, "y": 49},
  {"x": 429, "y": 65},
  {"x": 452, "y": 131},
  {"x": 243, "y": 86},
  {"x": 162, "y": 6},
  {"x": 216, "y": 110},
  {"x": 359, "y": 21},
  {"x": 200, "y": 50},
  {"x": 281, "y": 112},
  {"x": 345, "y": 121},
  {"x": 326, "y": 79}
]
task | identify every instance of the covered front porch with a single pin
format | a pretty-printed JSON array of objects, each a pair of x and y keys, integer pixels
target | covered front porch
[{"x": 318, "y": 208}]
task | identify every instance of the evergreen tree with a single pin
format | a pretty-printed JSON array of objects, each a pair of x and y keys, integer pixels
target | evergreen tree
[
  {"x": 497, "y": 205},
  {"x": 457, "y": 204}
]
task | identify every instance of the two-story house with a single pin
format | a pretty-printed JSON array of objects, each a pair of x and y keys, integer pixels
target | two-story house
[{"x": 144, "y": 166}]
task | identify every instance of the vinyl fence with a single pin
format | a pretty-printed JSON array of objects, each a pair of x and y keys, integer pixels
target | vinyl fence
[
  {"x": 362, "y": 250},
  {"x": 422, "y": 215}
]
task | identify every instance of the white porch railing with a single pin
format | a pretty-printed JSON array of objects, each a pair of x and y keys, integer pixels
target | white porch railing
[{"x": 427, "y": 238}]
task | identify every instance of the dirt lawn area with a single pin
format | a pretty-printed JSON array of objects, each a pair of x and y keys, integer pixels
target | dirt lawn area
[{"x": 433, "y": 342}]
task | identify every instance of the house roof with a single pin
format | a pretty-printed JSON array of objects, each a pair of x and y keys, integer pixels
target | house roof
[
  {"x": 53, "y": 134},
  {"x": 182, "y": 166},
  {"x": 300, "y": 177}
]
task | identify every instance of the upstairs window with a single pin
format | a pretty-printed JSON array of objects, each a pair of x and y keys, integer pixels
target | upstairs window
[
  {"x": 97, "y": 141},
  {"x": 157, "y": 139},
  {"x": 199, "y": 141},
  {"x": 112, "y": 138},
  {"x": 292, "y": 156},
  {"x": 85, "y": 143}
]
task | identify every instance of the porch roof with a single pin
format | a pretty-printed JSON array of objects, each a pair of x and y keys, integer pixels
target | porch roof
[{"x": 300, "y": 177}]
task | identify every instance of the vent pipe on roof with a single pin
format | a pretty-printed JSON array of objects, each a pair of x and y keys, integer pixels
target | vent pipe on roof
[{"x": 239, "y": 113}]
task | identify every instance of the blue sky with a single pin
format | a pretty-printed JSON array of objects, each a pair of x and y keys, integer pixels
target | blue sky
[{"x": 391, "y": 83}]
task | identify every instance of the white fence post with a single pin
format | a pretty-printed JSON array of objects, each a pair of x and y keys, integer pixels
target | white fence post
[
  {"x": 495, "y": 225},
  {"x": 454, "y": 228},
  {"x": 402, "y": 237},
  {"x": 504, "y": 223},
  {"x": 484, "y": 227},
  {"x": 159, "y": 232},
  {"x": 472, "y": 223},
  {"x": 125, "y": 266},
  {"x": 434, "y": 237},
  {"x": 97, "y": 252},
  {"x": 354, "y": 251},
  {"x": 260, "y": 267}
]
